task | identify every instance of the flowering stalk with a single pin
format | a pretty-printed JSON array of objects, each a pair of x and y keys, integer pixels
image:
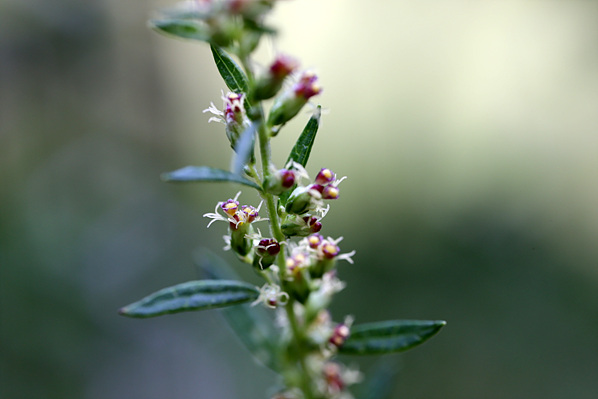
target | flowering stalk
[{"x": 297, "y": 263}]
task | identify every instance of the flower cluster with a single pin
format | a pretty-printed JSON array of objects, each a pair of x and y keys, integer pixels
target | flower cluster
[
  {"x": 233, "y": 115},
  {"x": 240, "y": 220},
  {"x": 297, "y": 264},
  {"x": 305, "y": 207}
]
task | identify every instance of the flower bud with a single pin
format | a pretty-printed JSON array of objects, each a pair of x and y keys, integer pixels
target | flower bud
[
  {"x": 326, "y": 252},
  {"x": 296, "y": 225},
  {"x": 269, "y": 84},
  {"x": 265, "y": 253},
  {"x": 279, "y": 182},
  {"x": 289, "y": 103},
  {"x": 314, "y": 240},
  {"x": 303, "y": 199},
  {"x": 234, "y": 117},
  {"x": 330, "y": 192},
  {"x": 325, "y": 176},
  {"x": 339, "y": 335}
]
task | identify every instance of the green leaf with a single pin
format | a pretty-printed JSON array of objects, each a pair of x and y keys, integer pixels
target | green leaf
[
  {"x": 206, "y": 174},
  {"x": 243, "y": 149},
  {"x": 252, "y": 325},
  {"x": 302, "y": 149},
  {"x": 183, "y": 28},
  {"x": 192, "y": 295},
  {"x": 389, "y": 336},
  {"x": 233, "y": 75}
]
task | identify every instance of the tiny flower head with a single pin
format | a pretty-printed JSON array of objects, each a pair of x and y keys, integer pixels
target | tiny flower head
[
  {"x": 280, "y": 181},
  {"x": 266, "y": 251},
  {"x": 283, "y": 65},
  {"x": 330, "y": 192},
  {"x": 315, "y": 240},
  {"x": 271, "y": 82},
  {"x": 268, "y": 246},
  {"x": 328, "y": 249},
  {"x": 289, "y": 102},
  {"x": 233, "y": 115},
  {"x": 307, "y": 86},
  {"x": 341, "y": 332},
  {"x": 272, "y": 296},
  {"x": 313, "y": 223},
  {"x": 230, "y": 207},
  {"x": 325, "y": 176}
]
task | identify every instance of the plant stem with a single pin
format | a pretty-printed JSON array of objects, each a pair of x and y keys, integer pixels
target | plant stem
[{"x": 297, "y": 331}]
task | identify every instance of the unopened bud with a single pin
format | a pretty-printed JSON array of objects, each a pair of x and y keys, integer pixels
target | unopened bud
[
  {"x": 270, "y": 84},
  {"x": 303, "y": 199},
  {"x": 279, "y": 182},
  {"x": 339, "y": 335},
  {"x": 295, "y": 225},
  {"x": 325, "y": 176},
  {"x": 265, "y": 253},
  {"x": 330, "y": 192},
  {"x": 289, "y": 103}
]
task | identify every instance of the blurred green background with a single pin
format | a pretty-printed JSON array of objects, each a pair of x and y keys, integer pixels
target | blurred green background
[{"x": 467, "y": 130}]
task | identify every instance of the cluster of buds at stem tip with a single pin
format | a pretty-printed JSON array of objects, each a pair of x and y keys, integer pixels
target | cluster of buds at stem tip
[
  {"x": 229, "y": 23},
  {"x": 305, "y": 199},
  {"x": 290, "y": 102}
]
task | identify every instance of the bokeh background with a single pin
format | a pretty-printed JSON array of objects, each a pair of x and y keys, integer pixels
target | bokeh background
[{"x": 468, "y": 131}]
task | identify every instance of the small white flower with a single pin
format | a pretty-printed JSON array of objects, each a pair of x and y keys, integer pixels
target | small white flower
[
  {"x": 237, "y": 215},
  {"x": 272, "y": 296}
]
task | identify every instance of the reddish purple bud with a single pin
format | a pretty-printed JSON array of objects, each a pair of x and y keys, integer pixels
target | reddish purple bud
[
  {"x": 268, "y": 246},
  {"x": 307, "y": 86},
  {"x": 313, "y": 223},
  {"x": 329, "y": 250},
  {"x": 339, "y": 335},
  {"x": 287, "y": 178},
  {"x": 330, "y": 192},
  {"x": 315, "y": 240},
  {"x": 282, "y": 66},
  {"x": 325, "y": 176},
  {"x": 318, "y": 187}
]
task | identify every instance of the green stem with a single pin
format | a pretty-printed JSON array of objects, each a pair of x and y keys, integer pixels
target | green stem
[{"x": 297, "y": 331}]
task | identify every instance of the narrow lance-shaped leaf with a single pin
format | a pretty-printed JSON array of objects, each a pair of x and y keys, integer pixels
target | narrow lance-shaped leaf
[
  {"x": 233, "y": 75},
  {"x": 302, "y": 149},
  {"x": 192, "y": 295},
  {"x": 244, "y": 149},
  {"x": 303, "y": 145},
  {"x": 250, "y": 323},
  {"x": 183, "y": 28},
  {"x": 206, "y": 174},
  {"x": 389, "y": 336}
]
